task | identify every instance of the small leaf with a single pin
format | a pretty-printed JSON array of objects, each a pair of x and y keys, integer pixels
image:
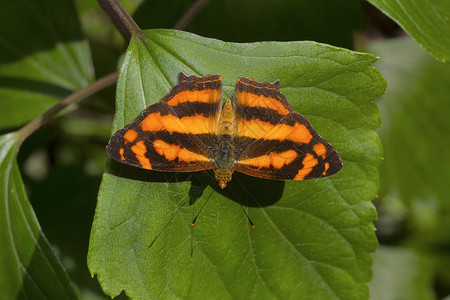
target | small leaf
[
  {"x": 29, "y": 268},
  {"x": 43, "y": 57},
  {"x": 428, "y": 22},
  {"x": 312, "y": 239},
  {"x": 399, "y": 273}
]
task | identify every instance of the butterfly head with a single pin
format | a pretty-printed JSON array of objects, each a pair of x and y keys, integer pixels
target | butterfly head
[{"x": 223, "y": 176}]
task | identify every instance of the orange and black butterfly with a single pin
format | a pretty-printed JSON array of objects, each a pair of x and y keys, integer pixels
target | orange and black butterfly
[{"x": 258, "y": 134}]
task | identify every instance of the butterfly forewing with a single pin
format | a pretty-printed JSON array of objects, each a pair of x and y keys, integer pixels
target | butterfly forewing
[
  {"x": 197, "y": 102},
  {"x": 275, "y": 142},
  {"x": 173, "y": 134}
]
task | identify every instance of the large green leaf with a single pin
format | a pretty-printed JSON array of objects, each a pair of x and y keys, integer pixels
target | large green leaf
[
  {"x": 43, "y": 57},
  {"x": 312, "y": 239},
  {"x": 400, "y": 273},
  {"x": 29, "y": 268},
  {"x": 428, "y": 22}
]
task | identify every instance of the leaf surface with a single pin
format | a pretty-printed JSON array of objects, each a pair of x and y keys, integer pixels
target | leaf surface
[
  {"x": 428, "y": 22},
  {"x": 43, "y": 57},
  {"x": 29, "y": 268},
  {"x": 312, "y": 239}
]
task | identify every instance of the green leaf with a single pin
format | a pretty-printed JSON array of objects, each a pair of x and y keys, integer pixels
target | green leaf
[
  {"x": 29, "y": 268},
  {"x": 43, "y": 57},
  {"x": 399, "y": 273},
  {"x": 428, "y": 22},
  {"x": 312, "y": 239},
  {"x": 260, "y": 20}
]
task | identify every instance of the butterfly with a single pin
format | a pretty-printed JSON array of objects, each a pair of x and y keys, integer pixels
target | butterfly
[{"x": 258, "y": 134}]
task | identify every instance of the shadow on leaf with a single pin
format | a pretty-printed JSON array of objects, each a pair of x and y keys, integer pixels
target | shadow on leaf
[{"x": 243, "y": 189}]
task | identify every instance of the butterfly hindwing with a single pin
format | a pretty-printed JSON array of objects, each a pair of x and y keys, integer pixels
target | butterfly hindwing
[
  {"x": 173, "y": 134},
  {"x": 275, "y": 142}
]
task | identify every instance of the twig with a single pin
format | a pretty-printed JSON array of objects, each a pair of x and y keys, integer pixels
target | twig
[
  {"x": 190, "y": 14},
  {"x": 120, "y": 17},
  {"x": 79, "y": 95}
]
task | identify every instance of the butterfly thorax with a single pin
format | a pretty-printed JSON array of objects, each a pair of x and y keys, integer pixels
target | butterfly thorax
[{"x": 224, "y": 153}]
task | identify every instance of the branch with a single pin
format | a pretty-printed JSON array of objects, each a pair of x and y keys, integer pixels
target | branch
[
  {"x": 190, "y": 14},
  {"x": 120, "y": 17},
  {"x": 79, "y": 95}
]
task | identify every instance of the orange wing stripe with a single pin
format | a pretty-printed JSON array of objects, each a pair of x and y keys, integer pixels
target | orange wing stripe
[
  {"x": 309, "y": 162},
  {"x": 194, "y": 124},
  {"x": 327, "y": 166},
  {"x": 297, "y": 133},
  {"x": 121, "y": 151},
  {"x": 252, "y": 100},
  {"x": 207, "y": 81},
  {"x": 320, "y": 150},
  {"x": 171, "y": 152},
  {"x": 199, "y": 124},
  {"x": 130, "y": 135},
  {"x": 259, "y": 129},
  {"x": 277, "y": 160},
  {"x": 255, "y": 129},
  {"x": 258, "y": 87},
  {"x": 139, "y": 149},
  {"x": 205, "y": 96}
]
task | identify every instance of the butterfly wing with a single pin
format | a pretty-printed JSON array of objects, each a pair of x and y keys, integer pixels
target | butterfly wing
[
  {"x": 174, "y": 133},
  {"x": 273, "y": 141}
]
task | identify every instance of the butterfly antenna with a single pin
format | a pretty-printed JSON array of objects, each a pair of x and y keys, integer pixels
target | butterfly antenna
[
  {"x": 195, "y": 219},
  {"x": 242, "y": 207}
]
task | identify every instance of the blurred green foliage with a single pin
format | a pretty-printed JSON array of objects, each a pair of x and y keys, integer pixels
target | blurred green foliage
[
  {"x": 43, "y": 57},
  {"x": 260, "y": 20},
  {"x": 414, "y": 202}
]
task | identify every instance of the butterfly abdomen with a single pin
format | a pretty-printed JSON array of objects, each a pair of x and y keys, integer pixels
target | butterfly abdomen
[
  {"x": 224, "y": 159},
  {"x": 224, "y": 155},
  {"x": 226, "y": 120}
]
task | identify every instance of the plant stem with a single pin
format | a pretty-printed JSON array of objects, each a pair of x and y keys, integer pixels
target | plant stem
[
  {"x": 79, "y": 95},
  {"x": 190, "y": 14},
  {"x": 120, "y": 17}
]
